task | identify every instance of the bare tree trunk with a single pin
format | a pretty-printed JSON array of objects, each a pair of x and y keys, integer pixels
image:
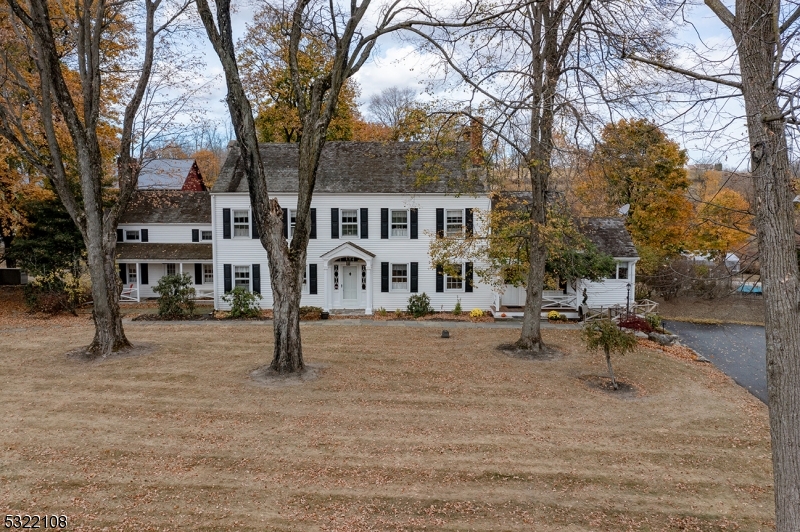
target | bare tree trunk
[
  {"x": 531, "y": 335},
  {"x": 756, "y": 40},
  {"x": 610, "y": 369}
]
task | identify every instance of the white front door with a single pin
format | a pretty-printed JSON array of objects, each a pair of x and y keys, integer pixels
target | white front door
[{"x": 350, "y": 284}]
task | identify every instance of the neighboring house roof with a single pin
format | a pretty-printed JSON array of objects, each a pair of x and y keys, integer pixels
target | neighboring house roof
[
  {"x": 164, "y": 252},
  {"x": 168, "y": 206},
  {"x": 170, "y": 174},
  {"x": 609, "y": 235},
  {"x": 361, "y": 167}
]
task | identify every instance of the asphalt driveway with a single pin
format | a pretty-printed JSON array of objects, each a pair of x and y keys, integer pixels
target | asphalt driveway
[{"x": 738, "y": 350}]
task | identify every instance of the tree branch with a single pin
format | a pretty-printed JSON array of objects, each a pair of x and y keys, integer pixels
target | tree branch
[{"x": 688, "y": 73}]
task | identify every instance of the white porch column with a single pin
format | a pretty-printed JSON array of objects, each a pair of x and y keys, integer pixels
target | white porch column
[
  {"x": 368, "y": 310},
  {"x": 180, "y": 267},
  {"x": 138, "y": 283},
  {"x": 327, "y": 306}
]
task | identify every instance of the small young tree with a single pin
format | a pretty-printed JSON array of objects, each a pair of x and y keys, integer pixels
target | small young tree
[{"x": 606, "y": 334}]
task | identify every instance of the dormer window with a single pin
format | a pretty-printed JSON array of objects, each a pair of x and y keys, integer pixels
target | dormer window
[{"x": 132, "y": 236}]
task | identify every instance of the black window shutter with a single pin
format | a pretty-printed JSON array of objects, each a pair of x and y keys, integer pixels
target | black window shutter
[
  {"x": 312, "y": 278},
  {"x": 145, "y": 235},
  {"x": 468, "y": 221},
  {"x": 439, "y": 223},
  {"x": 226, "y": 223},
  {"x": 123, "y": 273},
  {"x": 384, "y": 276},
  {"x": 439, "y": 278},
  {"x": 256, "y": 278},
  {"x": 384, "y": 223},
  {"x": 414, "y": 223},
  {"x": 145, "y": 274},
  {"x": 119, "y": 235},
  {"x": 195, "y": 235},
  {"x": 364, "y": 222},
  {"x": 226, "y": 272},
  {"x": 198, "y": 273},
  {"x": 313, "y": 224},
  {"x": 415, "y": 277},
  {"x": 468, "y": 277},
  {"x": 286, "y": 222},
  {"x": 334, "y": 223}
]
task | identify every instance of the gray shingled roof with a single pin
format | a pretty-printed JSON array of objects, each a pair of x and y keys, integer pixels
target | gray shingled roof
[
  {"x": 164, "y": 174},
  {"x": 164, "y": 252},
  {"x": 609, "y": 235},
  {"x": 168, "y": 206},
  {"x": 360, "y": 167}
]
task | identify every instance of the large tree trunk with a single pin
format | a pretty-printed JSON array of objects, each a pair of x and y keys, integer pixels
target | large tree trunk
[
  {"x": 531, "y": 335},
  {"x": 755, "y": 33},
  {"x": 109, "y": 335}
]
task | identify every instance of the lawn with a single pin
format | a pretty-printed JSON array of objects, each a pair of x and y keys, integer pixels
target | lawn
[{"x": 402, "y": 430}]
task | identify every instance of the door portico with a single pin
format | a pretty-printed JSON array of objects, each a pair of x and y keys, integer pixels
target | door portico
[{"x": 347, "y": 278}]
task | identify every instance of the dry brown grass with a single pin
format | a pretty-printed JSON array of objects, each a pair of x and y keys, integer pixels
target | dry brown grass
[
  {"x": 402, "y": 431},
  {"x": 743, "y": 309}
]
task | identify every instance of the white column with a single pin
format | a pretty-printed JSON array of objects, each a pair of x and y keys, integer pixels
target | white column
[
  {"x": 368, "y": 310},
  {"x": 325, "y": 290},
  {"x": 180, "y": 267},
  {"x": 138, "y": 283}
]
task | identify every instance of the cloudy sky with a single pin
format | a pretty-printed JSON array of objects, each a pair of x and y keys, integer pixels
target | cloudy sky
[{"x": 396, "y": 64}]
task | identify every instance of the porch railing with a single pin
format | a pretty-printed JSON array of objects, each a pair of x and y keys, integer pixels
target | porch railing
[
  {"x": 129, "y": 294},
  {"x": 204, "y": 294},
  {"x": 559, "y": 301}
]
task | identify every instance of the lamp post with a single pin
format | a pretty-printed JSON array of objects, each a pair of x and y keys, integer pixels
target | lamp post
[{"x": 628, "y": 300}]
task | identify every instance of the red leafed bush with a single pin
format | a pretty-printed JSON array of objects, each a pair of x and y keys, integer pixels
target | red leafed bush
[{"x": 636, "y": 323}]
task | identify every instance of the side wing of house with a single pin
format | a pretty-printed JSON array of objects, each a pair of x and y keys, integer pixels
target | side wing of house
[
  {"x": 610, "y": 237},
  {"x": 166, "y": 233},
  {"x": 371, "y": 229}
]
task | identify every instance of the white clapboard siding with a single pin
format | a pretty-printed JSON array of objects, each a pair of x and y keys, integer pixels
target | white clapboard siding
[
  {"x": 607, "y": 293},
  {"x": 247, "y": 251},
  {"x": 169, "y": 233},
  {"x": 157, "y": 270}
]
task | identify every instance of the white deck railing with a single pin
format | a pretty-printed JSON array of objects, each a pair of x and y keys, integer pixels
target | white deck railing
[
  {"x": 129, "y": 294},
  {"x": 559, "y": 301},
  {"x": 204, "y": 294}
]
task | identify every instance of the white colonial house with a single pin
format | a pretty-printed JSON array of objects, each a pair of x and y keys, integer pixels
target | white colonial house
[
  {"x": 165, "y": 232},
  {"x": 375, "y": 208}
]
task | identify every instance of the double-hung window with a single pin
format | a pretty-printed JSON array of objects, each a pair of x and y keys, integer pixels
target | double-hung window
[
  {"x": 241, "y": 223},
  {"x": 205, "y": 235},
  {"x": 399, "y": 227},
  {"x": 132, "y": 236},
  {"x": 305, "y": 280},
  {"x": 454, "y": 225},
  {"x": 132, "y": 273},
  {"x": 399, "y": 278},
  {"x": 455, "y": 283},
  {"x": 208, "y": 274},
  {"x": 171, "y": 270},
  {"x": 241, "y": 277},
  {"x": 349, "y": 222}
]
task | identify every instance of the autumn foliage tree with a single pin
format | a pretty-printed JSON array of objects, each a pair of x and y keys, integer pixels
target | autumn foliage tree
[
  {"x": 636, "y": 164},
  {"x": 266, "y": 76},
  {"x": 68, "y": 68}
]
